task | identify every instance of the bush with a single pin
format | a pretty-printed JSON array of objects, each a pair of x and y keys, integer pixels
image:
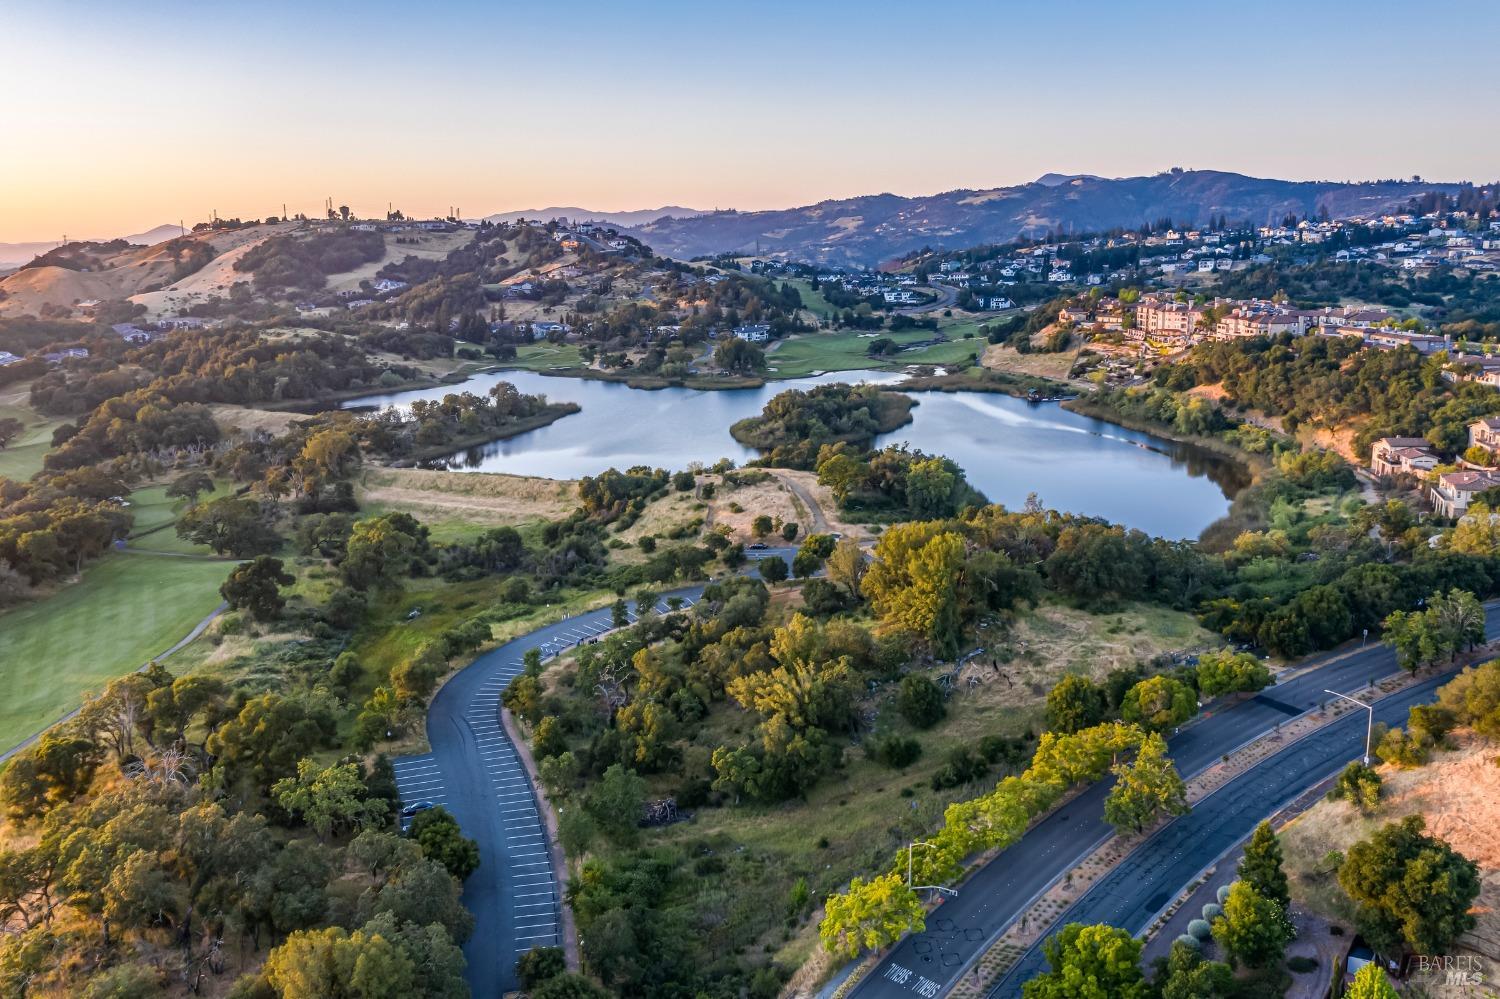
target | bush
[
  {"x": 1222, "y": 893},
  {"x": 1200, "y": 929},
  {"x": 920, "y": 701},
  {"x": 894, "y": 751},
  {"x": 1190, "y": 941},
  {"x": 1212, "y": 911}
]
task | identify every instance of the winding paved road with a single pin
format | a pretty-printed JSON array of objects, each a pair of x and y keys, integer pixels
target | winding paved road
[
  {"x": 473, "y": 772},
  {"x": 927, "y": 964}
]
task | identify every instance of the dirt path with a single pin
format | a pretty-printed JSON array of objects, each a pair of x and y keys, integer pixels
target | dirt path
[{"x": 818, "y": 523}]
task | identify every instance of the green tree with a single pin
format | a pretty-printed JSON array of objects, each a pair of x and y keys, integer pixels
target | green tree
[
  {"x": 1450, "y": 623},
  {"x": 1075, "y": 703},
  {"x": 1370, "y": 983},
  {"x": 230, "y": 525},
  {"x": 1409, "y": 889},
  {"x": 329, "y": 799},
  {"x": 1159, "y": 703},
  {"x": 1187, "y": 975},
  {"x": 870, "y": 915},
  {"x": 437, "y": 833},
  {"x": 256, "y": 587},
  {"x": 846, "y": 565},
  {"x": 773, "y": 569},
  {"x": 1146, "y": 787},
  {"x": 617, "y": 801},
  {"x": 1090, "y": 962},
  {"x": 189, "y": 486},
  {"x": 1226, "y": 672},
  {"x": 1261, "y": 868},
  {"x": 921, "y": 701},
  {"x": 568, "y": 985},
  {"x": 380, "y": 551},
  {"x": 761, "y": 525},
  {"x": 1359, "y": 785},
  {"x": 914, "y": 583},
  {"x": 1253, "y": 930},
  {"x": 539, "y": 964}
]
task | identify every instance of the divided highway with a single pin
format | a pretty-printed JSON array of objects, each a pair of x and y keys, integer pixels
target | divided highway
[{"x": 927, "y": 964}]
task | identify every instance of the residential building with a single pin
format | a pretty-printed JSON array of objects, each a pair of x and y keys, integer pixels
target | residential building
[
  {"x": 1393, "y": 456},
  {"x": 753, "y": 333},
  {"x": 1485, "y": 433},
  {"x": 1454, "y": 491}
]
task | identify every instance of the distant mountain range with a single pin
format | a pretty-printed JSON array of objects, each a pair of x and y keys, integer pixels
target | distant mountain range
[
  {"x": 867, "y": 231},
  {"x": 640, "y": 217},
  {"x": 13, "y": 255}
]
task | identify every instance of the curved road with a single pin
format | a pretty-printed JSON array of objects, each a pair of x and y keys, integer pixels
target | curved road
[
  {"x": 929, "y": 963},
  {"x": 472, "y": 771}
]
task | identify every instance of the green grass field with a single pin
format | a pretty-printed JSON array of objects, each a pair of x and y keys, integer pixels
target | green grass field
[
  {"x": 23, "y": 457},
  {"x": 126, "y": 609},
  {"x": 541, "y": 356},
  {"x": 154, "y": 516},
  {"x": 808, "y": 353}
]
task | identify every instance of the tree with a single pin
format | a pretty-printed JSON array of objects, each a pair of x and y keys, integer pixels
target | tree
[
  {"x": 1370, "y": 983},
  {"x": 269, "y": 736},
  {"x": 1226, "y": 672},
  {"x": 921, "y": 701},
  {"x": 437, "y": 833},
  {"x": 256, "y": 587},
  {"x": 10, "y": 429},
  {"x": 761, "y": 525},
  {"x": 914, "y": 583},
  {"x": 1261, "y": 866},
  {"x": 230, "y": 525},
  {"x": 190, "y": 485},
  {"x": 539, "y": 964},
  {"x": 1253, "y": 930},
  {"x": 1187, "y": 975},
  {"x": 870, "y": 915},
  {"x": 617, "y": 801},
  {"x": 1473, "y": 698},
  {"x": 773, "y": 569},
  {"x": 1159, "y": 703},
  {"x": 1450, "y": 623},
  {"x": 332, "y": 963},
  {"x": 739, "y": 356},
  {"x": 568, "y": 985},
  {"x": 380, "y": 551},
  {"x": 846, "y": 565},
  {"x": 329, "y": 798},
  {"x": 1145, "y": 788},
  {"x": 1090, "y": 962},
  {"x": 789, "y": 531},
  {"x": 1409, "y": 889},
  {"x": 1359, "y": 785},
  {"x": 1075, "y": 703}
]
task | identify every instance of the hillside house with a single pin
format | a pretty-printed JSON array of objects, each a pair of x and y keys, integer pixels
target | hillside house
[
  {"x": 1454, "y": 491},
  {"x": 1396, "y": 456},
  {"x": 1485, "y": 433},
  {"x": 753, "y": 333}
]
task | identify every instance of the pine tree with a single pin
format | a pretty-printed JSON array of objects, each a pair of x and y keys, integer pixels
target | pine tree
[{"x": 1261, "y": 865}]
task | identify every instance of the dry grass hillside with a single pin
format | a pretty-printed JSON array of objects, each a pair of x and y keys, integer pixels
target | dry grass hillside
[
  {"x": 1457, "y": 794},
  {"x": 128, "y": 273}
]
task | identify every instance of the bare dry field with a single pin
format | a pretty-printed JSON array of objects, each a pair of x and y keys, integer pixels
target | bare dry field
[
  {"x": 247, "y": 419},
  {"x": 1002, "y": 358},
  {"x": 1457, "y": 793},
  {"x": 483, "y": 499},
  {"x": 427, "y": 246}
]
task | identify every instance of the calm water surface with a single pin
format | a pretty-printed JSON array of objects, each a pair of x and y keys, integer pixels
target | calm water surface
[{"x": 1008, "y": 447}]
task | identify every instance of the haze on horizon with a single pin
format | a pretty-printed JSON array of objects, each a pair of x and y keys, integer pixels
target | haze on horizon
[{"x": 120, "y": 118}]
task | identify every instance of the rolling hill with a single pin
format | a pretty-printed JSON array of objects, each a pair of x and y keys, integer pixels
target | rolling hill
[
  {"x": 866, "y": 231},
  {"x": 638, "y": 217}
]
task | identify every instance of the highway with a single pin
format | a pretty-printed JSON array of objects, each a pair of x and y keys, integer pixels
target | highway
[
  {"x": 928, "y": 963},
  {"x": 1133, "y": 893},
  {"x": 472, "y": 771}
]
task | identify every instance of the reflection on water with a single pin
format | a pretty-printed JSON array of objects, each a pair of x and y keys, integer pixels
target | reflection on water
[{"x": 1008, "y": 447}]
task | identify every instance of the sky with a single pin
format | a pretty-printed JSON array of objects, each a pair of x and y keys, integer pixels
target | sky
[{"x": 120, "y": 117}]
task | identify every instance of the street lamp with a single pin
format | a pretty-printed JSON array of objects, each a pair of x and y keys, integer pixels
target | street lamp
[
  {"x": 909, "y": 848},
  {"x": 1369, "y": 725}
]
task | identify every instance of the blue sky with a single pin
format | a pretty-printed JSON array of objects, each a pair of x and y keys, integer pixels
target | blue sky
[{"x": 119, "y": 117}]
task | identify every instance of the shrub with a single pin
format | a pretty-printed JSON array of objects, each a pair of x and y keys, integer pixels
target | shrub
[
  {"x": 1200, "y": 929},
  {"x": 1212, "y": 911},
  {"x": 1222, "y": 893},
  {"x": 1190, "y": 941}
]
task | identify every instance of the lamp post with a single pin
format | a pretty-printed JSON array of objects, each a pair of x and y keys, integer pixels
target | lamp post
[
  {"x": 1369, "y": 724},
  {"x": 910, "y": 847}
]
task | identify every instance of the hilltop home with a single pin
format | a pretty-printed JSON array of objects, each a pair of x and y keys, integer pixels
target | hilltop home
[
  {"x": 1454, "y": 491},
  {"x": 1485, "y": 433},
  {"x": 1392, "y": 456},
  {"x": 753, "y": 333}
]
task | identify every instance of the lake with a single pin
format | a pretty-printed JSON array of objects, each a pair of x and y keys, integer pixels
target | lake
[{"x": 1008, "y": 447}]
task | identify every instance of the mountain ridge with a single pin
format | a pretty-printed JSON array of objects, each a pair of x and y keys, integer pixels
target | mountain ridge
[{"x": 871, "y": 229}]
